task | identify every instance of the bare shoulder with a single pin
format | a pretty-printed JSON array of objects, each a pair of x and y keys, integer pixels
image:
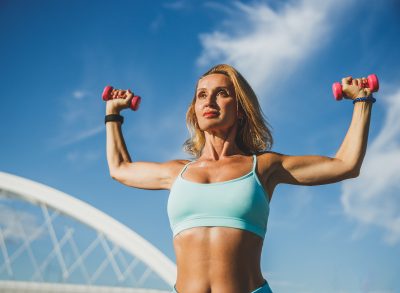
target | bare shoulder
[
  {"x": 267, "y": 162},
  {"x": 266, "y": 166},
  {"x": 271, "y": 164},
  {"x": 176, "y": 165},
  {"x": 174, "y": 168}
]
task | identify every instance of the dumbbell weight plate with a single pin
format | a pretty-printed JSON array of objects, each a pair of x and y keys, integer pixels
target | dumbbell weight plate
[
  {"x": 107, "y": 93},
  {"x": 135, "y": 102},
  {"x": 337, "y": 91},
  {"x": 373, "y": 82}
]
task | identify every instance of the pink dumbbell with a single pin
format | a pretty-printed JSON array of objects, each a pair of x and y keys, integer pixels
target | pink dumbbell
[
  {"x": 372, "y": 83},
  {"x": 135, "y": 102}
]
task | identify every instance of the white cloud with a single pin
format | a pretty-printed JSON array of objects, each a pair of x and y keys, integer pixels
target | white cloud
[
  {"x": 79, "y": 136},
  {"x": 16, "y": 225},
  {"x": 176, "y": 5},
  {"x": 84, "y": 156},
  {"x": 157, "y": 22},
  {"x": 278, "y": 283},
  {"x": 264, "y": 44},
  {"x": 374, "y": 197},
  {"x": 78, "y": 94},
  {"x": 79, "y": 119},
  {"x": 165, "y": 133}
]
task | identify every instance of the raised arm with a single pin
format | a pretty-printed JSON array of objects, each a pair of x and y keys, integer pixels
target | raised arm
[
  {"x": 144, "y": 175},
  {"x": 117, "y": 153},
  {"x": 318, "y": 170}
]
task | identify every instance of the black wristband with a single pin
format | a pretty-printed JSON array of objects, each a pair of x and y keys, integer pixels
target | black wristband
[
  {"x": 365, "y": 99},
  {"x": 114, "y": 117}
]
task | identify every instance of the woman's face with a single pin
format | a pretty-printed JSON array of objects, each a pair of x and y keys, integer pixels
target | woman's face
[{"x": 215, "y": 104}]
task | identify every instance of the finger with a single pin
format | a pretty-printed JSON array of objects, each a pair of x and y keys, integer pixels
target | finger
[
  {"x": 129, "y": 94},
  {"x": 126, "y": 92},
  {"x": 367, "y": 91},
  {"x": 121, "y": 94},
  {"x": 364, "y": 82},
  {"x": 347, "y": 80},
  {"x": 357, "y": 82}
]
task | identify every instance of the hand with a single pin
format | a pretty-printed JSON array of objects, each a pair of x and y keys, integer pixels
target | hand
[
  {"x": 353, "y": 88},
  {"x": 120, "y": 99}
]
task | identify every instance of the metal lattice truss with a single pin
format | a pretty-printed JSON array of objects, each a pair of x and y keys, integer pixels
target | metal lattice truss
[{"x": 110, "y": 248}]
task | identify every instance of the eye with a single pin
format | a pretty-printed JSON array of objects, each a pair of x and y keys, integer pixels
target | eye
[
  {"x": 223, "y": 93},
  {"x": 201, "y": 95}
]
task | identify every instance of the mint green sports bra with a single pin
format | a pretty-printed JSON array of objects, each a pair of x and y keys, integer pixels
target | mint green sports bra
[{"x": 240, "y": 203}]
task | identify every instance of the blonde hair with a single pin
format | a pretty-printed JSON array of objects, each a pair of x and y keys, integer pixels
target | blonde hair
[{"x": 253, "y": 134}]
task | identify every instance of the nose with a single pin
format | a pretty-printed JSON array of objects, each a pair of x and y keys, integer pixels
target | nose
[{"x": 210, "y": 101}]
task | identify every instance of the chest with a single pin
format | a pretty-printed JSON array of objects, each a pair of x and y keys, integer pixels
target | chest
[
  {"x": 242, "y": 197},
  {"x": 214, "y": 173},
  {"x": 201, "y": 172}
]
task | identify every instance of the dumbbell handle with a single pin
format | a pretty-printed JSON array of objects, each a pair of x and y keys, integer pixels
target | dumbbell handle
[
  {"x": 135, "y": 102},
  {"x": 372, "y": 83}
]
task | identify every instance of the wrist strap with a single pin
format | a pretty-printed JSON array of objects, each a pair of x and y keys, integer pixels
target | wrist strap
[
  {"x": 365, "y": 99},
  {"x": 114, "y": 117}
]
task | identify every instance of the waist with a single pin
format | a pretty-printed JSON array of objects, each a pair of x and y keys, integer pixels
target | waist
[
  {"x": 218, "y": 251},
  {"x": 234, "y": 284}
]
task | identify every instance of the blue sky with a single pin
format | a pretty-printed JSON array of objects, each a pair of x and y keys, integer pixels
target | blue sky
[{"x": 57, "y": 56}]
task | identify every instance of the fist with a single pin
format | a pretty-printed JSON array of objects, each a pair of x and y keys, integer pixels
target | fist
[
  {"x": 119, "y": 100},
  {"x": 355, "y": 88}
]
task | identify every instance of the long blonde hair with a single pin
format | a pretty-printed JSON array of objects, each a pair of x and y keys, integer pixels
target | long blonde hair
[{"x": 253, "y": 134}]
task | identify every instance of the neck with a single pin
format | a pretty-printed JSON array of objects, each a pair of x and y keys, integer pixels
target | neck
[{"x": 220, "y": 144}]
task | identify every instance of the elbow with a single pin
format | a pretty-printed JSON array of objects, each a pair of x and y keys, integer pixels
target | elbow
[
  {"x": 113, "y": 174},
  {"x": 117, "y": 172},
  {"x": 354, "y": 173}
]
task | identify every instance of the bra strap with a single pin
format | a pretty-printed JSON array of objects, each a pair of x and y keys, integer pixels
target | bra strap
[
  {"x": 253, "y": 169},
  {"x": 254, "y": 162},
  {"x": 184, "y": 168}
]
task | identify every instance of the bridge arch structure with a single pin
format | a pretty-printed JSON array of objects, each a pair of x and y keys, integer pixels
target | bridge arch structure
[{"x": 124, "y": 252}]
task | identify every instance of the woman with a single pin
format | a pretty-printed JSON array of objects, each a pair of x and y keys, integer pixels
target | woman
[{"x": 219, "y": 204}]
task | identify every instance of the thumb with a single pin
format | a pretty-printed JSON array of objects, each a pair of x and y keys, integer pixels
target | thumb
[
  {"x": 129, "y": 95},
  {"x": 367, "y": 91},
  {"x": 347, "y": 80}
]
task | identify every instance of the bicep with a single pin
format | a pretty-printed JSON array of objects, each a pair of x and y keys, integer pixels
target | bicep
[
  {"x": 147, "y": 175},
  {"x": 310, "y": 170}
]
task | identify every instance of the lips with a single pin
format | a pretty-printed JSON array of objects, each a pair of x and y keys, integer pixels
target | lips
[{"x": 211, "y": 113}]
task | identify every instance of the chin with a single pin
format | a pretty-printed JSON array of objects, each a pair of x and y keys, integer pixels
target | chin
[{"x": 215, "y": 127}]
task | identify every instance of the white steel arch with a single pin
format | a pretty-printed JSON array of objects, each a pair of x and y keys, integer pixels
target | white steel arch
[{"x": 38, "y": 194}]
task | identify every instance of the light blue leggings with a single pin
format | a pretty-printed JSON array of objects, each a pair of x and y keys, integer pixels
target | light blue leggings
[{"x": 263, "y": 289}]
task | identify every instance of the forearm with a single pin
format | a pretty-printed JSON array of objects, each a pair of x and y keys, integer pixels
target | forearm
[
  {"x": 354, "y": 146},
  {"x": 117, "y": 152}
]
